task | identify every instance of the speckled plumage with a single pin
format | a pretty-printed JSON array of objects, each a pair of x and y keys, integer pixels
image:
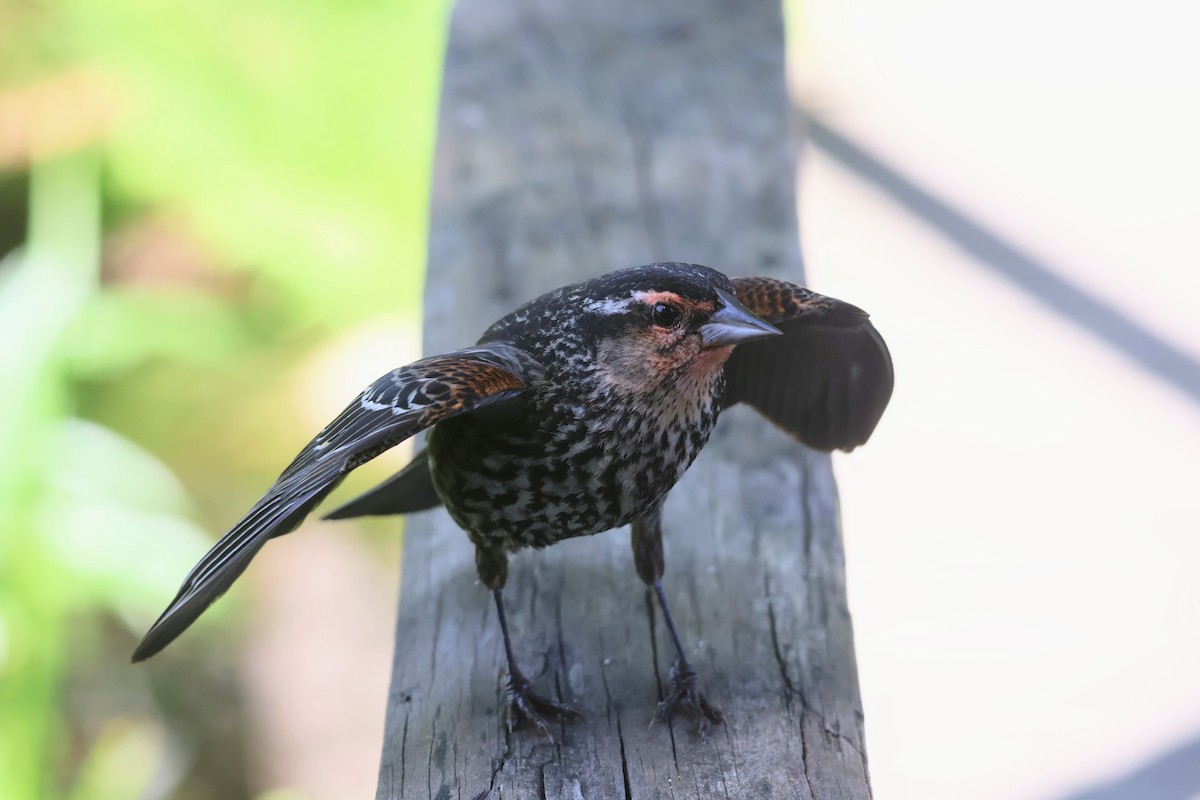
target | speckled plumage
[
  {"x": 579, "y": 453},
  {"x": 574, "y": 414}
]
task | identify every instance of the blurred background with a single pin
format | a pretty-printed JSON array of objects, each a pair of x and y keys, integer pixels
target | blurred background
[
  {"x": 1010, "y": 189},
  {"x": 212, "y": 225}
]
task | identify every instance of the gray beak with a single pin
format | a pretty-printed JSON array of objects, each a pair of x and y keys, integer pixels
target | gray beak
[{"x": 733, "y": 323}]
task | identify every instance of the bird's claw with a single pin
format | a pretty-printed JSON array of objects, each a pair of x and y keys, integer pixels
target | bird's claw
[
  {"x": 524, "y": 704},
  {"x": 685, "y": 695}
]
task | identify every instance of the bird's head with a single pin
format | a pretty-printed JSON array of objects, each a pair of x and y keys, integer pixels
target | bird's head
[{"x": 664, "y": 323}]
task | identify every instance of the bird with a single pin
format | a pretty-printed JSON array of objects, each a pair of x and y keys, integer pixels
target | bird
[{"x": 573, "y": 415}]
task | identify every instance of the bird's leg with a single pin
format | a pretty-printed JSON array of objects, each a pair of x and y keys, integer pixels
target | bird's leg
[
  {"x": 523, "y": 703},
  {"x": 685, "y": 684}
]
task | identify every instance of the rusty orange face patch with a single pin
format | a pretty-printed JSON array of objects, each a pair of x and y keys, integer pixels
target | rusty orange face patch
[{"x": 644, "y": 357}]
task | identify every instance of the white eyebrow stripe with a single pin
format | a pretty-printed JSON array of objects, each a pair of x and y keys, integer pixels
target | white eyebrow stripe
[{"x": 608, "y": 306}]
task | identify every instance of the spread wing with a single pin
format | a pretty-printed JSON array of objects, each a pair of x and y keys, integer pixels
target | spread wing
[
  {"x": 826, "y": 381},
  {"x": 393, "y": 408}
]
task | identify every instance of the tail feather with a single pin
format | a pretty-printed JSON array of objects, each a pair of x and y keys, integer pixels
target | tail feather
[
  {"x": 280, "y": 511},
  {"x": 409, "y": 490}
]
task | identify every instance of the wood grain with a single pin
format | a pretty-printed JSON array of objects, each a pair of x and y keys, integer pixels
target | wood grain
[{"x": 577, "y": 138}]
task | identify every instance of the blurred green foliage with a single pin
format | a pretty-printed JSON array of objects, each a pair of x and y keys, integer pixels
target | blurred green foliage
[{"x": 193, "y": 196}]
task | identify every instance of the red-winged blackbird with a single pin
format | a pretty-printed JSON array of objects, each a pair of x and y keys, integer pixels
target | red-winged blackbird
[{"x": 572, "y": 415}]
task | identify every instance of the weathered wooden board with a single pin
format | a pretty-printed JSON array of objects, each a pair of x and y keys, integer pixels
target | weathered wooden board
[{"x": 577, "y": 138}]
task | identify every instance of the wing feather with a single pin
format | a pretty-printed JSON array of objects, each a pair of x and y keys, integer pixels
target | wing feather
[
  {"x": 393, "y": 408},
  {"x": 826, "y": 381}
]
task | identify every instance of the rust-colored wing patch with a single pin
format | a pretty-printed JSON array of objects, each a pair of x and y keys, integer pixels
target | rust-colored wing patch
[
  {"x": 449, "y": 384},
  {"x": 408, "y": 400},
  {"x": 826, "y": 381},
  {"x": 432, "y": 389},
  {"x": 775, "y": 301}
]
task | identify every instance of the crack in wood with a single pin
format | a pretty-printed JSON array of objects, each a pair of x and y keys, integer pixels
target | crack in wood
[
  {"x": 457, "y": 781},
  {"x": 498, "y": 765},
  {"x": 789, "y": 689},
  {"x": 808, "y": 781},
  {"x": 429, "y": 762},
  {"x": 404, "y": 752},
  {"x": 624, "y": 762}
]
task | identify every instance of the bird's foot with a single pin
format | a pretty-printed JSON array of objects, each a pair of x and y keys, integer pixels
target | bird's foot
[
  {"x": 685, "y": 695},
  {"x": 526, "y": 706}
]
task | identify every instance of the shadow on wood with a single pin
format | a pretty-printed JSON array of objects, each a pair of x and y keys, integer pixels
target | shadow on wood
[{"x": 576, "y": 139}]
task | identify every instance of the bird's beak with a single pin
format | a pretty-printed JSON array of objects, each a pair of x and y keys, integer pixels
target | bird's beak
[{"x": 733, "y": 323}]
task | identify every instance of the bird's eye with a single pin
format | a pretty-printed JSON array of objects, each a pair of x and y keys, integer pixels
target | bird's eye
[{"x": 667, "y": 315}]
